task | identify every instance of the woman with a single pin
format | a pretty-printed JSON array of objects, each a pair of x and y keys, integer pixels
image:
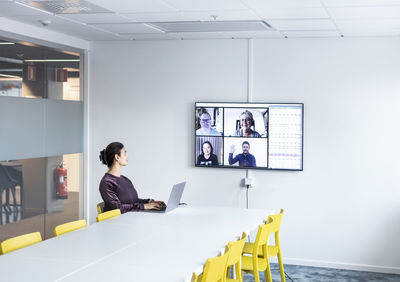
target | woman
[
  {"x": 117, "y": 190},
  {"x": 246, "y": 122},
  {"x": 205, "y": 126},
  {"x": 207, "y": 157}
]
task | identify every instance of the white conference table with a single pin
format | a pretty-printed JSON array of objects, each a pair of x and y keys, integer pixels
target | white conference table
[{"x": 134, "y": 247}]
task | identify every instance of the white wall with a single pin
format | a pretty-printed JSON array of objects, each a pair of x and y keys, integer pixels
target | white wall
[{"x": 341, "y": 211}]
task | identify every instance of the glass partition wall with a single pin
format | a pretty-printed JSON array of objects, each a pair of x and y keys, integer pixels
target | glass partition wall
[{"x": 41, "y": 138}]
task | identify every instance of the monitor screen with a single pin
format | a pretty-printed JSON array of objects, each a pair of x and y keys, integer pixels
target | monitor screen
[{"x": 249, "y": 135}]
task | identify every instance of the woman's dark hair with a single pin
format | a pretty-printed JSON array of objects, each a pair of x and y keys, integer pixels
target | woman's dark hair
[
  {"x": 207, "y": 142},
  {"x": 107, "y": 155}
]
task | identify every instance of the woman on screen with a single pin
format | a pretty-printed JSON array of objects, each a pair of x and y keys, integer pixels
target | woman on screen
[
  {"x": 117, "y": 190},
  {"x": 205, "y": 126},
  {"x": 246, "y": 122},
  {"x": 207, "y": 157}
]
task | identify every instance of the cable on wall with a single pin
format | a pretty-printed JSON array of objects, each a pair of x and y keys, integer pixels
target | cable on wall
[{"x": 249, "y": 99}]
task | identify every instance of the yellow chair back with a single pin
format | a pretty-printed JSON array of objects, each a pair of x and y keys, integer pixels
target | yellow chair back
[
  {"x": 235, "y": 255},
  {"x": 68, "y": 227},
  {"x": 277, "y": 221},
  {"x": 260, "y": 250},
  {"x": 108, "y": 214},
  {"x": 19, "y": 242},
  {"x": 214, "y": 269},
  {"x": 262, "y": 237},
  {"x": 100, "y": 208}
]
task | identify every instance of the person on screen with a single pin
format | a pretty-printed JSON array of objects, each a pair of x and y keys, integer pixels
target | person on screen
[
  {"x": 244, "y": 159},
  {"x": 205, "y": 126},
  {"x": 117, "y": 190},
  {"x": 207, "y": 157},
  {"x": 246, "y": 122}
]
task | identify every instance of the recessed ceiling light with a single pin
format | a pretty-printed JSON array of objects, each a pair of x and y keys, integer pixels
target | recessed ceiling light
[
  {"x": 9, "y": 76},
  {"x": 66, "y": 6},
  {"x": 11, "y": 70},
  {"x": 7, "y": 43},
  {"x": 212, "y": 26},
  {"x": 53, "y": 60},
  {"x": 10, "y": 60}
]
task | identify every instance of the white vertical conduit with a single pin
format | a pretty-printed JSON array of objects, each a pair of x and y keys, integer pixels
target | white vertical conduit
[
  {"x": 250, "y": 70},
  {"x": 249, "y": 96}
]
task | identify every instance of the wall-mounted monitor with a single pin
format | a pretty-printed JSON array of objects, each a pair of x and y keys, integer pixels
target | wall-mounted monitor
[{"x": 249, "y": 135}]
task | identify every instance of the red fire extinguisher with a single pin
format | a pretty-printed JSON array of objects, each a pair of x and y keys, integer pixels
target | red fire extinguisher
[{"x": 61, "y": 182}]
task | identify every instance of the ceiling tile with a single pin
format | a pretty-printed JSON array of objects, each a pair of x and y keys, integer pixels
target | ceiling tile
[
  {"x": 302, "y": 24},
  {"x": 312, "y": 33},
  {"x": 270, "y": 4},
  {"x": 350, "y": 3},
  {"x": 11, "y": 9},
  {"x": 194, "y": 16},
  {"x": 136, "y": 6},
  {"x": 293, "y": 13},
  {"x": 159, "y": 36},
  {"x": 34, "y": 20},
  {"x": 128, "y": 28},
  {"x": 66, "y": 26},
  {"x": 365, "y": 12},
  {"x": 92, "y": 34},
  {"x": 200, "y": 35},
  {"x": 370, "y": 32},
  {"x": 206, "y": 5},
  {"x": 254, "y": 34},
  {"x": 97, "y": 18},
  {"x": 386, "y": 24}
]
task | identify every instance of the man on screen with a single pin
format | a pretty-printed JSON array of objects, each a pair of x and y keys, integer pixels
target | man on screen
[{"x": 244, "y": 159}]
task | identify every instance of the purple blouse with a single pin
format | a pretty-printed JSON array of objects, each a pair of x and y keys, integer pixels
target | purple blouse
[{"x": 119, "y": 193}]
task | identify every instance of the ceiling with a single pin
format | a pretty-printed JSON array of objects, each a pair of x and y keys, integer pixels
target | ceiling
[{"x": 99, "y": 20}]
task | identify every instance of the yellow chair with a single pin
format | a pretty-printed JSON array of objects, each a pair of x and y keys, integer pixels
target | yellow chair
[
  {"x": 260, "y": 250},
  {"x": 100, "y": 207},
  {"x": 214, "y": 269},
  {"x": 68, "y": 227},
  {"x": 234, "y": 258},
  {"x": 108, "y": 214},
  {"x": 19, "y": 242}
]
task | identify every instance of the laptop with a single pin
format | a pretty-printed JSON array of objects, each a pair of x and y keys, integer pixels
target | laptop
[{"x": 174, "y": 199}]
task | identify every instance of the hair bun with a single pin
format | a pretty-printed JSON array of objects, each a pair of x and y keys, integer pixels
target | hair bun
[{"x": 102, "y": 157}]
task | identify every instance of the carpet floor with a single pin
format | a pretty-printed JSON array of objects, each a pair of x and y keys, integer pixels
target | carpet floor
[{"x": 299, "y": 273}]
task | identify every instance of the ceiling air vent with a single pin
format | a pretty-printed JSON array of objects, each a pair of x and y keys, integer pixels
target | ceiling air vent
[
  {"x": 212, "y": 26},
  {"x": 66, "y": 6}
]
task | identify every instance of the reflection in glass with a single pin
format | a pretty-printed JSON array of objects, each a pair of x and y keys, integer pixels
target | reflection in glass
[
  {"x": 33, "y": 71},
  {"x": 29, "y": 194}
]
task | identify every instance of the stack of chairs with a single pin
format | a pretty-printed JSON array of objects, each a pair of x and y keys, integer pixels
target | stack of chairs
[{"x": 246, "y": 257}]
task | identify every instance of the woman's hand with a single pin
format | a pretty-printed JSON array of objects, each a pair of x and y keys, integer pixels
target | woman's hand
[
  {"x": 161, "y": 203},
  {"x": 152, "y": 206}
]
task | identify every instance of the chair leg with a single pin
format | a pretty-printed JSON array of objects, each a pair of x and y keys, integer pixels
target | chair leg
[
  {"x": 256, "y": 276},
  {"x": 281, "y": 270},
  {"x": 1, "y": 207},
  {"x": 15, "y": 209},
  {"x": 268, "y": 276},
  {"x": 7, "y": 206},
  {"x": 237, "y": 272}
]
